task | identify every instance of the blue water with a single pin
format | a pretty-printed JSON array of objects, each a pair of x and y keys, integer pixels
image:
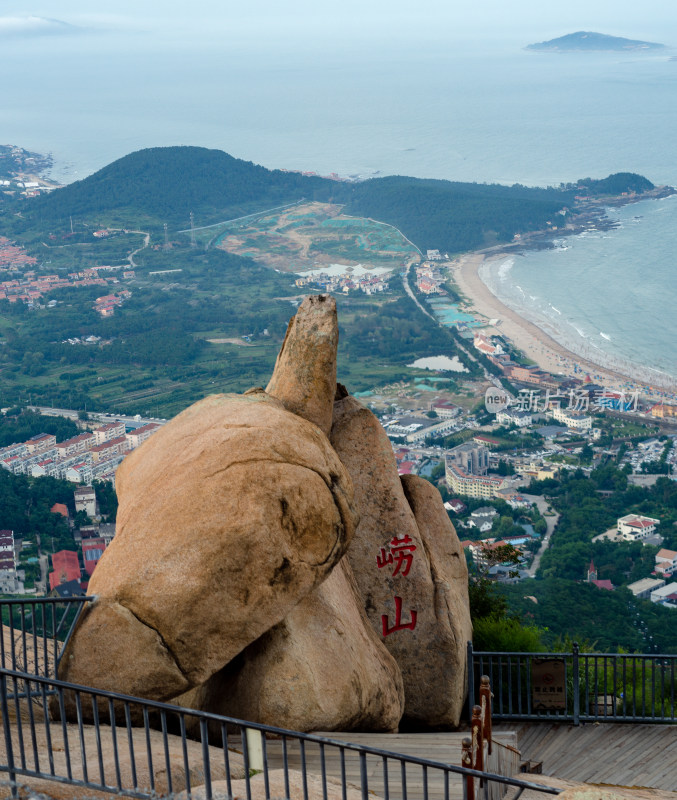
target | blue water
[
  {"x": 449, "y": 313},
  {"x": 457, "y": 110},
  {"x": 607, "y": 295}
]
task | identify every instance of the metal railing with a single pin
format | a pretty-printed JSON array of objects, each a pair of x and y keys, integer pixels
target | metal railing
[
  {"x": 578, "y": 687},
  {"x": 34, "y": 632},
  {"x": 115, "y": 743},
  {"x": 105, "y": 741}
]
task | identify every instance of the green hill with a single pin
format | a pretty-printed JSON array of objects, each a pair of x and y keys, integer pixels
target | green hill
[{"x": 165, "y": 184}]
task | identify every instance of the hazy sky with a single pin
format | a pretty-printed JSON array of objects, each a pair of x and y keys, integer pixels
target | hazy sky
[{"x": 366, "y": 20}]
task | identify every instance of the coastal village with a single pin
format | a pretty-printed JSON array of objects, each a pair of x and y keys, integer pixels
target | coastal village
[
  {"x": 30, "y": 287},
  {"x": 483, "y": 463},
  {"x": 565, "y": 419}
]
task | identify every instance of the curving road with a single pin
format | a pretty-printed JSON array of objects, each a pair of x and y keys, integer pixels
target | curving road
[{"x": 542, "y": 505}]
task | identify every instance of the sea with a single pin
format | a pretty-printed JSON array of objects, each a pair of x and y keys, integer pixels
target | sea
[{"x": 485, "y": 111}]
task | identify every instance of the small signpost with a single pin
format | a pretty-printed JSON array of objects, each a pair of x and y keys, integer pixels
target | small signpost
[{"x": 548, "y": 684}]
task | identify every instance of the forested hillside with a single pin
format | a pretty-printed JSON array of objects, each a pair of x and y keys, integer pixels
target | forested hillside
[
  {"x": 453, "y": 217},
  {"x": 165, "y": 184}
]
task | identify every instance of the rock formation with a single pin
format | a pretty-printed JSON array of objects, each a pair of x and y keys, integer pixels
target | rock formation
[
  {"x": 228, "y": 587},
  {"x": 409, "y": 567},
  {"x": 209, "y": 557},
  {"x": 289, "y": 677},
  {"x": 321, "y": 668}
]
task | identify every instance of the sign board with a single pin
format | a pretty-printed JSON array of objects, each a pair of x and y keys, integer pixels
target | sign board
[{"x": 548, "y": 683}]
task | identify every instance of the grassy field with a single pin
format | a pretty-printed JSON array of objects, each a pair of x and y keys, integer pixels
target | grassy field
[{"x": 311, "y": 235}]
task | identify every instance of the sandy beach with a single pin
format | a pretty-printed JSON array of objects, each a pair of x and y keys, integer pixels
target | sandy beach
[{"x": 531, "y": 340}]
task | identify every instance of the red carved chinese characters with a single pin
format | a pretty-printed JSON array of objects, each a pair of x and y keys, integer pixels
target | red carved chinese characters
[
  {"x": 401, "y": 552},
  {"x": 399, "y": 625}
]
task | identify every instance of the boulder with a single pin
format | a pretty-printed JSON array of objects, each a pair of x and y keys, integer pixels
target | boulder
[
  {"x": 449, "y": 572},
  {"x": 416, "y": 601},
  {"x": 229, "y": 515},
  {"x": 321, "y": 668},
  {"x": 304, "y": 378}
]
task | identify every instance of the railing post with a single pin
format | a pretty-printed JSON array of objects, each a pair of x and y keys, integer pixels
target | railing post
[
  {"x": 576, "y": 685},
  {"x": 467, "y": 761},
  {"x": 4, "y": 706},
  {"x": 471, "y": 681},
  {"x": 485, "y": 702},
  {"x": 477, "y": 732}
]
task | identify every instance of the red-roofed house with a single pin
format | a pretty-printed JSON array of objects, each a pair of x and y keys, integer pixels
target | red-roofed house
[
  {"x": 66, "y": 568},
  {"x": 666, "y": 563},
  {"x": 405, "y": 467},
  {"x": 92, "y": 550},
  {"x": 60, "y": 508},
  {"x": 139, "y": 435},
  {"x": 634, "y": 528},
  {"x": 604, "y": 584}
]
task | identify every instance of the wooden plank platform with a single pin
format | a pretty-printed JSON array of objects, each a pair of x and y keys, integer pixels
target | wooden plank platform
[
  {"x": 441, "y": 747},
  {"x": 612, "y": 753}
]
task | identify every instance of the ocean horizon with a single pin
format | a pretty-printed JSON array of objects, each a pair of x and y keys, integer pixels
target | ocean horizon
[{"x": 494, "y": 114}]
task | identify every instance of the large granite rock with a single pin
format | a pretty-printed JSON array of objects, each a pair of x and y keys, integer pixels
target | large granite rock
[
  {"x": 289, "y": 676},
  {"x": 229, "y": 515},
  {"x": 304, "y": 378},
  {"x": 409, "y": 568},
  {"x": 449, "y": 574},
  {"x": 321, "y": 668}
]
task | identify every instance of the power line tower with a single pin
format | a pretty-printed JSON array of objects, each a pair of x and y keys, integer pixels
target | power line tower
[
  {"x": 166, "y": 246},
  {"x": 193, "y": 243}
]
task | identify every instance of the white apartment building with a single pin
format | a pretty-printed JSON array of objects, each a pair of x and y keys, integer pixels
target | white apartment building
[
  {"x": 480, "y": 486},
  {"x": 634, "y": 527},
  {"x": 510, "y": 416},
  {"x": 572, "y": 419}
]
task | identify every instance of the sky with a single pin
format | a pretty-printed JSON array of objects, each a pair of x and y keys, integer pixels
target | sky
[{"x": 341, "y": 23}]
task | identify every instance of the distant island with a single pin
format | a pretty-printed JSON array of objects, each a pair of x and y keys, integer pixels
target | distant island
[{"x": 589, "y": 41}]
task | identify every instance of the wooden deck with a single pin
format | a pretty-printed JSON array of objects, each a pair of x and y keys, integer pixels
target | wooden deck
[
  {"x": 610, "y": 753},
  {"x": 441, "y": 747}
]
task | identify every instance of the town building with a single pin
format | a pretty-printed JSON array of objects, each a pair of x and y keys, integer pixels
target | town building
[
  {"x": 139, "y": 435},
  {"x": 485, "y": 345},
  {"x": 665, "y": 595},
  {"x": 437, "y": 429},
  {"x": 574, "y": 420},
  {"x": 471, "y": 457},
  {"x": 478, "y": 486},
  {"x": 445, "y": 410},
  {"x": 111, "y": 430},
  {"x": 666, "y": 563},
  {"x": 66, "y": 568},
  {"x": 85, "y": 500},
  {"x": 663, "y": 410},
  {"x": 511, "y": 416},
  {"x": 40, "y": 443},
  {"x": 643, "y": 588},
  {"x": 92, "y": 550},
  {"x": 10, "y": 579},
  {"x": 634, "y": 527},
  {"x": 513, "y": 499}
]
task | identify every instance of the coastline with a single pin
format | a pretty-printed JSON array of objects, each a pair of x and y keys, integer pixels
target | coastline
[{"x": 535, "y": 343}]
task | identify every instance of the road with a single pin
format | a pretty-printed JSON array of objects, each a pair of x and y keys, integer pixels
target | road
[
  {"x": 95, "y": 416},
  {"x": 542, "y": 505},
  {"x": 407, "y": 288}
]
